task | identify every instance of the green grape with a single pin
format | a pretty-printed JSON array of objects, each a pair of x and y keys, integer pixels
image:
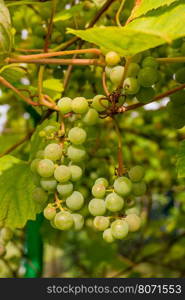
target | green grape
[
  {"x": 2, "y": 250},
  {"x": 145, "y": 94},
  {"x": 133, "y": 221},
  {"x": 123, "y": 186},
  {"x": 40, "y": 154},
  {"x": 6, "y": 234},
  {"x": 136, "y": 173},
  {"x": 52, "y": 223},
  {"x": 53, "y": 152},
  {"x": 97, "y": 207},
  {"x": 45, "y": 168},
  {"x": 49, "y": 213},
  {"x": 107, "y": 71},
  {"x": 100, "y": 103},
  {"x": 180, "y": 75},
  {"x": 62, "y": 174},
  {"x": 63, "y": 220},
  {"x": 50, "y": 129},
  {"x": 137, "y": 57},
  {"x": 132, "y": 210},
  {"x": 65, "y": 189},
  {"x": 78, "y": 221},
  {"x": 48, "y": 184},
  {"x": 76, "y": 172},
  {"x": 39, "y": 195},
  {"x": 34, "y": 165},
  {"x": 119, "y": 229},
  {"x": 76, "y": 153},
  {"x": 116, "y": 74},
  {"x": 77, "y": 135},
  {"x": 131, "y": 86},
  {"x": 150, "y": 62},
  {"x": 98, "y": 190},
  {"x": 101, "y": 223},
  {"x": 147, "y": 77},
  {"x": 80, "y": 105},
  {"x": 91, "y": 117},
  {"x": 107, "y": 236},
  {"x": 139, "y": 188},
  {"x": 177, "y": 99},
  {"x": 103, "y": 181},
  {"x": 133, "y": 70},
  {"x": 112, "y": 58},
  {"x": 75, "y": 201},
  {"x": 114, "y": 202}
]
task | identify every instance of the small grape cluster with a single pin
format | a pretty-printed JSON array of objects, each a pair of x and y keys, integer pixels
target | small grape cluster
[
  {"x": 116, "y": 224},
  {"x": 6, "y": 235}
]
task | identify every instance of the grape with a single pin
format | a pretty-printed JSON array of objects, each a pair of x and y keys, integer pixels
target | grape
[
  {"x": 62, "y": 174},
  {"x": 132, "y": 210},
  {"x": 180, "y": 75},
  {"x": 39, "y": 195},
  {"x": 2, "y": 250},
  {"x": 112, "y": 58},
  {"x": 97, "y": 207},
  {"x": 63, "y": 220},
  {"x": 136, "y": 173},
  {"x": 147, "y": 77},
  {"x": 91, "y": 117},
  {"x": 177, "y": 99},
  {"x": 80, "y": 105},
  {"x": 101, "y": 223},
  {"x": 114, "y": 202},
  {"x": 107, "y": 71},
  {"x": 103, "y": 181},
  {"x": 49, "y": 213},
  {"x": 145, "y": 94},
  {"x": 40, "y": 154},
  {"x": 150, "y": 62},
  {"x": 75, "y": 201},
  {"x": 131, "y": 86},
  {"x": 107, "y": 236},
  {"x": 34, "y": 165},
  {"x": 76, "y": 172},
  {"x": 45, "y": 168},
  {"x": 139, "y": 188},
  {"x": 65, "y": 189},
  {"x": 48, "y": 184},
  {"x": 119, "y": 229},
  {"x": 77, "y": 135},
  {"x": 76, "y": 153},
  {"x": 50, "y": 129},
  {"x": 133, "y": 221},
  {"x": 78, "y": 221},
  {"x": 65, "y": 105},
  {"x": 100, "y": 103},
  {"x": 53, "y": 152},
  {"x": 98, "y": 190},
  {"x": 123, "y": 186},
  {"x": 133, "y": 70},
  {"x": 137, "y": 58},
  {"x": 6, "y": 234},
  {"x": 116, "y": 74}
]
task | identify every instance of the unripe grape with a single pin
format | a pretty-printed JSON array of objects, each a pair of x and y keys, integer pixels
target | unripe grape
[
  {"x": 40, "y": 154},
  {"x": 180, "y": 75},
  {"x": 80, "y": 105},
  {"x": 34, "y": 165},
  {"x": 100, "y": 103},
  {"x": 107, "y": 71},
  {"x": 114, "y": 202},
  {"x": 136, "y": 173},
  {"x": 75, "y": 201},
  {"x": 49, "y": 213},
  {"x": 131, "y": 86},
  {"x": 145, "y": 94},
  {"x": 103, "y": 181},
  {"x": 101, "y": 223},
  {"x": 112, "y": 58},
  {"x": 97, "y": 207},
  {"x": 91, "y": 117},
  {"x": 65, "y": 105},
  {"x": 65, "y": 189},
  {"x": 119, "y": 229},
  {"x": 147, "y": 77},
  {"x": 45, "y": 168},
  {"x": 116, "y": 74},
  {"x": 77, "y": 135},
  {"x": 62, "y": 174},
  {"x": 150, "y": 62},
  {"x": 134, "y": 222},
  {"x": 39, "y": 195},
  {"x": 53, "y": 152},
  {"x": 123, "y": 186},
  {"x": 98, "y": 190},
  {"x": 132, "y": 210},
  {"x": 107, "y": 236},
  {"x": 63, "y": 220},
  {"x": 6, "y": 234},
  {"x": 76, "y": 172},
  {"x": 78, "y": 221},
  {"x": 133, "y": 70},
  {"x": 48, "y": 184},
  {"x": 139, "y": 188},
  {"x": 76, "y": 153}
]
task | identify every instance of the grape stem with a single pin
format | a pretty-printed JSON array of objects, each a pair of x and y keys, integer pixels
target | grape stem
[
  {"x": 45, "y": 61},
  {"x": 120, "y": 151},
  {"x": 127, "y": 63},
  {"x": 58, "y": 202},
  {"x": 50, "y": 26},
  {"x": 171, "y": 59},
  {"x": 104, "y": 83},
  {"x": 119, "y": 12}
]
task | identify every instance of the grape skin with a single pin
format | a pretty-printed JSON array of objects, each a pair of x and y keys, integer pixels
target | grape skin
[
  {"x": 131, "y": 86},
  {"x": 97, "y": 207},
  {"x": 49, "y": 213},
  {"x": 48, "y": 184},
  {"x": 63, "y": 220},
  {"x": 98, "y": 190},
  {"x": 103, "y": 181},
  {"x": 34, "y": 165},
  {"x": 91, "y": 117},
  {"x": 6, "y": 234},
  {"x": 53, "y": 152},
  {"x": 133, "y": 70},
  {"x": 76, "y": 172},
  {"x": 132, "y": 210},
  {"x": 75, "y": 201},
  {"x": 62, "y": 174},
  {"x": 101, "y": 223},
  {"x": 80, "y": 105},
  {"x": 78, "y": 221},
  {"x": 100, "y": 103},
  {"x": 76, "y": 153},
  {"x": 123, "y": 186},
  {"x": 77, "y": 135},
  {"x": 65, "y": 189},
  {"x": 112, "y": 58},
  {"x": 134, "y": 222},
  {"x": 180, "y": 75},
  {"x": 136, "y": 173},
  {"x": 116, "y": 74},
  {"x": 107, "y": 236},
  {"x": 45, "y": 168},
  {"x": 150, "y": 61},
  {"x": 65, "y": 105},
  {"x": 114, "y": 202},
  {"x": 147, "y": 77},
  {"x": 139, "y": 188},
  {"x": 145, "y": 94},
  {"x": 119, "y": 229}
]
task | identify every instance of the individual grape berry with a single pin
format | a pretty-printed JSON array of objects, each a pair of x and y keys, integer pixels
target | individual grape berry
[
  {"x": 98, "y": 190},
  {"x": 101, "y": 223},
  {"x": 133, "y": 70},
  {"x": 100, "y": 103},
  {"x": 45, "y": 168},
  {"x": 112, "y": 58},
  {"x": 49, "y": 213},
  {"x": 39, "y": 195},
  {"x": 116, "y": 74},
  {"x": 65, "y": 105},
  {"x": 2, "y": 250},
  {"x": 123, "y": 186},
  {"x": 75, "y": 201},
  {"x": 6, "y": 234},
  {"x": 103, "y": 181},
  {"x": 114, "y": 202},
  {"x": 145, "y": 94},
  {"x": 63, "y": 220},
  {"x": 107, "y": 236},
  {"x": 65, "y": 189},
  {"x": 48, "y": 184},
  {"x": 34, "y": 165},
  {"x": 136, "y": 173},
  {"x": 62, "y": 174},
  {"x": 97, "y": 207},
  {"x": 147, "y": 77},
  {"x": 78, "y": 221},
  {"x": 132, "y": 210},
  {"x": 80, "y": 105},
  {"x": 91, "y": 117},
  {"x": 76, "y": 153},
  {"x": 77, "y": 135},
  {"x": 76, "y": 172},
  {"x": 119, "y": 229},
  {"x": 40, "y": 154},
  {"x": 150, "y": 62},
  {"x": 53, "y": 152},
  {"x": 133, "y": 221},
  {"x": 139, "y": 188},
  {"x": 131, "y": 86},
  {"x": 180, "y": 75}
]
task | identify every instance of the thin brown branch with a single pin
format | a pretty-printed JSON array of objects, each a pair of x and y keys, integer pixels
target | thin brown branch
[
  {"x": 58, "y": 61},
  {"x": 50, "y": 26},
  {"x": 171, "y": 59},
  {"x": 120, "y": 150},
  {"x": 104, "y": 83}
]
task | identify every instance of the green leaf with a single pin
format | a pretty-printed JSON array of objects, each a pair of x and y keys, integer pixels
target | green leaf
[
  {"x": 68, "y": 13},
  {"x": 147, "y": 5},
  {"x": 13, "y": 72},
  {"x": 53, "y": 87},
  {"x": 5, "y": 29},
  {"x": 181, "y": 160},
  {"x": 6, "y": 162},
  {"x": 99, "y": 3}
]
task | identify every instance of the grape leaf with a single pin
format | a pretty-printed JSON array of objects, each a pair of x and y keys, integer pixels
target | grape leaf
[
  {"x": 68, "y": 13},
  {"x": 53, "y": 87},
  {"x": 7, "y": 161},
  {"x": 5, "y": 29},
  {"x": 181, "y": 160}
]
